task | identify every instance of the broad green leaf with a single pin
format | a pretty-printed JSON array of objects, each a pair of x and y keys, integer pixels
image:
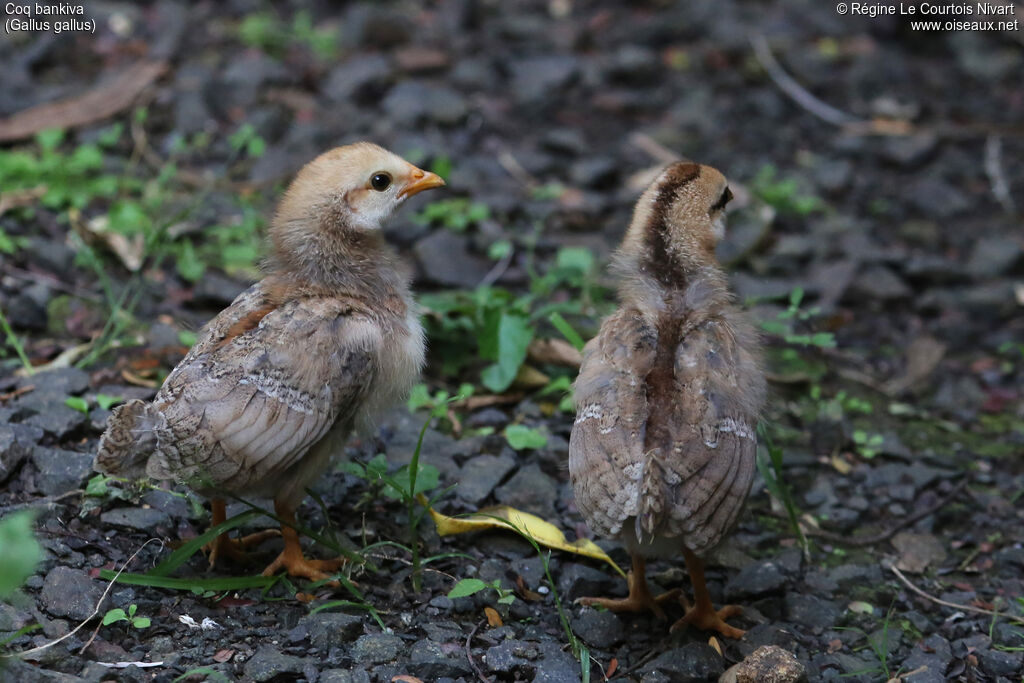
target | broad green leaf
[
  {"x": 521, "y": 437},
  {"x": 19, "y": 551},
  {"x": 77, "y": 403},
  {"x": 466, "y": 587},
  {"x": 106, "y": 402},
  {"x": 114, "y": 616},
  {"x": 190, "y": 548}
]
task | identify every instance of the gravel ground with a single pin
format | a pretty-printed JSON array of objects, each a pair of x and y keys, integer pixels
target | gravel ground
[{"x": 901, "y": 445}]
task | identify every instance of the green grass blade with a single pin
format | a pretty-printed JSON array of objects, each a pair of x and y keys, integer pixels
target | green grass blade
[
  {"x": 216, "y": 584},
  {"x": 190, "y": 548},
  {"x": 563, "y": 326}
]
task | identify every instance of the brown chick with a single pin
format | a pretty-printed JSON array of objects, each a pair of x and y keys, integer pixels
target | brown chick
[
  {"x": 667, "y": 400},
  {"x": 314, "y": 351}
]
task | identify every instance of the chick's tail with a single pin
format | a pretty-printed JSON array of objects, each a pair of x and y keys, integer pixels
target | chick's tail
[{"x": 132, "y": 436}]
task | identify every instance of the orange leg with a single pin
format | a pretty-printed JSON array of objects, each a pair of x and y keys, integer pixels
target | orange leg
[
  {"x": 640, "y": 598},
  {"x": 232, "y": 548},
  {"x": 702, "y": 613},
  {"x": 291, "y": 558}
]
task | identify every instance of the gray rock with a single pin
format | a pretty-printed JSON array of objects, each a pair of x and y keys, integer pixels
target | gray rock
[
  {"x": 58, "y": 420},
  {"x": 535, "y": 78},
  {"x": 556, "y": 665},
  {"x": 343, "y": 676},
  {"x": 934, "y": 653},
  {"x": 999, "y": 663},
  {"x": 754, "y": 581},
  {"x": 692, "y": 662},
  {"x": 60, "y": 471},
  {"x": 993, "y": 256},
  {"x": 479, "y": 476},
  {"x": 377, "y": 648},
  {"x": 445, "y": 260},
  {"x": 810, "y": 611},
  {"x": 429, "y": 662},
  {"x": 332, "y": 629},
  {"x": 511, "y": 655},
  {"x": 579, "y": 580},
  {"x": 358, "y": 77},
  {"x": 601, "y": 629},
  {"x": 595, "y": 172},
  {"x": 216, "y": 289},
  {"x": 70, "y": 593},
  {"x": 17, "y": 442},
  {"x": 909, "y": 151},
  {"x": 269, "y": 663},
  {"x": 634, "y": 65},
  {"x": 63, "y": 382},
  {"x": 935, "y": 197},
  {"x": 410, "y": 102},
  {"x": 529, "y": 489},
  {"x": 879, "y": 283},
  {"x": 143, "y": 519},
  {"x": 25, "y": 314}
]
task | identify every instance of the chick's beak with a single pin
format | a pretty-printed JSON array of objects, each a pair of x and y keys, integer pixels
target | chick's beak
[{"x": 420, "y": 180}]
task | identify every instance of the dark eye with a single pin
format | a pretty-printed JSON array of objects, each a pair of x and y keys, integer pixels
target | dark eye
[
  {"x": 722, "y": 201},
  {"x": 380, "y": 181}
]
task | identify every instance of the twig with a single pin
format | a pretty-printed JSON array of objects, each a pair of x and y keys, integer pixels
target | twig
[
  {"x": 886, "y": 535},
  {"x": 797, "y": 92},
  {"x": 994, "y": 171},
  {"x": 95, "y": 611},
  {"x": 51, "y": 281},
  {"x": 516, "y": 170},
  {"x": 953, "y": 605},
  {"x": 469, "y": 652}
]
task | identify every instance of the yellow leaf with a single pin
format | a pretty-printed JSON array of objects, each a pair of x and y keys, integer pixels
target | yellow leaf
[
  {"x": 505, "y": 517},
  {"x": 713, "y": 642}
]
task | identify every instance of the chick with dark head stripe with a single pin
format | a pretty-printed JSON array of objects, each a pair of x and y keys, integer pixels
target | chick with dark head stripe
[{"x": 663, "y": 447}]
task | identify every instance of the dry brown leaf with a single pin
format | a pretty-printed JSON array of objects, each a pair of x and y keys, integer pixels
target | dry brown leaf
[
  {"x": 223, "y": 656},
  {"x": 923, "y": 356},
  {"x": 493, "y": 618},
  {"x": 100, "y": 102},
  {"x": 132, "y": 378},
  {"x": 14, "y": 199},
  {"x": 713, "y": 642},
  {"x": 130, "y": 250},
  {"x": 405, "y": 678},
  {"x": 554, "y": 352},
  {"x": 487, "y": 400},
  {"x": 530, "y": 377},
  {"x": 612, "y": 668}
]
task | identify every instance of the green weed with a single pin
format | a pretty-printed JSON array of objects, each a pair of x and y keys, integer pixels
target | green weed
[
  {"x": 266, "y": 32},
  {"x": 472, "y": 586},
  {"x": 783, "y": 194},
  {"x": 456, "y": 214},
  {"x": 19, "y": 552},
  {"x": 769, "y": 464},
  {"x": 117, "y": 615}
]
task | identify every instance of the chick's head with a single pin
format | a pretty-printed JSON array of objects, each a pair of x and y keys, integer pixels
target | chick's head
[{"x": 356, "y": 186}]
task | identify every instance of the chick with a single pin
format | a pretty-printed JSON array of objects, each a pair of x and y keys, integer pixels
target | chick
[
  {"x": 662, "y": 450},
  {"x": 314, "y": 351}
]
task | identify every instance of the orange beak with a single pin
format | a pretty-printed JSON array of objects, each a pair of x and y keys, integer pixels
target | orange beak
[{"x": 420, "y": 180}]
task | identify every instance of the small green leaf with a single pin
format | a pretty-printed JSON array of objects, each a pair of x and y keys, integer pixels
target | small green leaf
[
  {"x": 563, "y": 326},
  {"x": 97, "y": 486},
  {"x": 141, "y": 622},
  {"x": 19, "y": 551},
  {"x": 466, "y": 587},
  {"x": 521, "y": 437},
  {"x": 106, "y": 401},
  {"x": 187, "y": 338},
  {"x": 77, "y": 403},
  {"x": 113, "y": 616}
]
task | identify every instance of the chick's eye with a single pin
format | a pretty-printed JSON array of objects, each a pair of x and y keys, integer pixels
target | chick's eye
[
  {"x": 380, "y": 181},
  {"x": 722, "y": 201}
]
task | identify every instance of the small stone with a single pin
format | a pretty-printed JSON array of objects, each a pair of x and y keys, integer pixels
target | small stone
[
  {"x": 410, "y": 102},
  {"x": 445, "y": 260},
  {"x": 879, "y": 283},
  {"x": 692, "y": 662},
  {"x": 216, "y": 290},
  {"x": 479, "y": 476},
  {"x": 70, "y": 593},
  {"x": 594, "y": 172},
  {"x": 754, "y": 581},
  {"x": 937, "y": 198},
  {"x": 17, "y": 443},
  {"x": 143, "y": 519},
  {"x": 357, "y": 78},
  {"x": 1000, "y": 663},
  {"x": 430, "y": 663},
  {"x": 60, "y": 471},
  {"x": 810, "y": 611},
  {"x": 377, "y": 648},
  {"x": 993, "y": 256},
  {"x": 598, "y": 628},
  {"x": 579, "y": 580},
  {"x": 766, "y": 664},
  {"x": 533, "y": 79},
  {"x": 530, "y": 490},
  {"x": 510, "y": 655},
  {"x": 58, "y": 420},
  {"x": 268, "y": 663},
  {"x": 332, "y": 629}
]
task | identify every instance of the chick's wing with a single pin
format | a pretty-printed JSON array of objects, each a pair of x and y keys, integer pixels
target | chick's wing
[
  {"x": 263, "y": 385},
  {"x": 606, "y": 445}
]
